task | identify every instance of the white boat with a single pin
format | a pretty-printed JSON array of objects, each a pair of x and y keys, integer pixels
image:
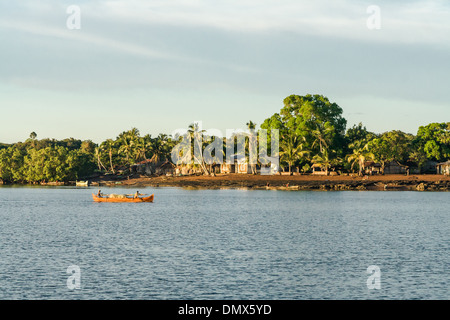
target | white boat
[{"x": 82, "y": 183}]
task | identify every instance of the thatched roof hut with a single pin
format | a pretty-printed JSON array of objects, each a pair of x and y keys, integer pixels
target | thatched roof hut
[{"x": 443, "y": 168}]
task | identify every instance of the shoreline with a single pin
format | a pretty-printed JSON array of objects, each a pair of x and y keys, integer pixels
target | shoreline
[
  {"x": 272, "y": 182},
  {"x": 283, "y": 182}
]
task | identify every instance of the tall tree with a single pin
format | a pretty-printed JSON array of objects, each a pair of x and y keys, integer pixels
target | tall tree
[
  {"x": 313, "y": 117},
  {"x": 317, "y": 119},
  {"x": 391, "y": 146},
  {"x": 292, "y": 149},
  {"x": 127, "y": 141},
  {"x": 326, "y": 160},
  {"x": 33, "y": 135},
  {"x": 434, "y": 141},
  {"x": 196, "y": 134},
  {"x": 360, "y": 155}
]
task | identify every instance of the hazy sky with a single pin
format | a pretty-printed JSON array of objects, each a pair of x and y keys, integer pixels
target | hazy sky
[{"x": 161, "y": 65}]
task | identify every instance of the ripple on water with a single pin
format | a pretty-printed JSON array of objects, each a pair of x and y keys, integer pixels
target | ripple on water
[{"x": 224, "y": 244}]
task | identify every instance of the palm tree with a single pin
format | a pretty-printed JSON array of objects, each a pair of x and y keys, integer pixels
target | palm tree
[
  {"x": 158, "y": 148},
  {"x": 251, "y": 125},
  {"x": 322, "y": 136},
  {"x": 253, "y": 141},
  {"x": 197, "y": 138},
  {"x": 141, "y": 149},
  {"x": 126, "y": 148},
  {"x": 107, "y": 146},
  {"x": 360, "y": 154},
  {"x": 99, "y": 162},
  {"x": 325, "y": 160},
  {"x": 33, "y": 137},
  {"x": 110, "y": 144},
  {"x": 292, "y": 149},
  {"x": 128, "y": 141}
]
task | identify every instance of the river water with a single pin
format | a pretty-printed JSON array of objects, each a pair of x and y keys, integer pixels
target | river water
[{"x": 224, "y": 244}]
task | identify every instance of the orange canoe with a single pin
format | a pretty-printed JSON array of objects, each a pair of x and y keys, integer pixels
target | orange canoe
[{"x": 106, "y": 199}]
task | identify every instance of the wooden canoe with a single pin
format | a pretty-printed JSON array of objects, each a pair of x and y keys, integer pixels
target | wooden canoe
[{"x": 106, "y": 199}]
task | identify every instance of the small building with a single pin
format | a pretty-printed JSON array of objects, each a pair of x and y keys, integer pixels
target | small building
[
  {"x": 183, "y": 170},
  {"x": 371, "y": 168},
  {"x": 443, "y": 168},
  {"x": 429, "y": 167},
  {"x": 270, "y": 166},
  {"x": 143, "y": 167},
  {"x": 227, "y": 168},
  {"x": 240, "y": 165},
  {"x": 244, "y": 168},
  {"x": 318, "y": 170},
  {"x": 148, "y": 167},
  {"x": 166, "y": 167},
  {"x": 394, "y": 167}
]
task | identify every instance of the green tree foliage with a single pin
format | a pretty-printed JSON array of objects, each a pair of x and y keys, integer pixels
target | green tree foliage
[
  {"x": 433, "y": 140},
  {"x": 358, "y": 134},
  {"x": 317, "y": 119},
  {"x": 312, "y": 119},
  {"x": 326, "y": 159},
  {"x": 292, "y": 149},
  {"x": 311, "y": 131},
  {"x": 357, "y": 150},
  {"x": 53, "y": 163},
  {"x": 391, "y": 146},
  {"x": 360, "y": 154}
]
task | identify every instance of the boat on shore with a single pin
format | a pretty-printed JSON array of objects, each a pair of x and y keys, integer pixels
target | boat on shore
[
  {"x": 82, "y": 183},
  {"x": 123, "y": 198}
]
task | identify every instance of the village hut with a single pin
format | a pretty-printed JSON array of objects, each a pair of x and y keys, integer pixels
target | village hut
[
  {"x": 271, "y": 167},
  {"x": 240, "y": 165},
  {"x": 443, "y": 168},
  {"x": 146, "y": 167},
  {"x": 167, "y": 168},
  {"x": 227, "y": 168},
  {"x": 429, "y": 167},
  {"x": 318, "y": 170},
  {"x": 395, "y": 167},
  {"x": 372, "y": 168},
  {"x": 149, "y": 167}
]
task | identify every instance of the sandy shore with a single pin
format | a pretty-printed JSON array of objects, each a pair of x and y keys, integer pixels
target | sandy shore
[{"x": 284, "y": 182}]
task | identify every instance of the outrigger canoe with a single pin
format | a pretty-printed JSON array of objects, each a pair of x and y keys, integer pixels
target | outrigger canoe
[{"x": 126, "y": 199}]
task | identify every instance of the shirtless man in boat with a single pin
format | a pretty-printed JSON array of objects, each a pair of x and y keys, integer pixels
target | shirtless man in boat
[
  {"x": 136, "y": 195},
  {"x": 99, "y": 193}
]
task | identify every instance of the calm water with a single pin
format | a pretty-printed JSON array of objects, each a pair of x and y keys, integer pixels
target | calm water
[{"x": 224, "y": 244}]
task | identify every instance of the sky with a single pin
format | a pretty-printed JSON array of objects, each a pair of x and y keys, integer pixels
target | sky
[{"x": 160, "y": 65}]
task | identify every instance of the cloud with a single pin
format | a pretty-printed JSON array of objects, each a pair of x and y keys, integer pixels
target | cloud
[
  {"x": 253, "y": 46},
  {"x": 420, "y": 21},
  {"x": 405, "y": 22},
  {"x": 89, "y": 38}
]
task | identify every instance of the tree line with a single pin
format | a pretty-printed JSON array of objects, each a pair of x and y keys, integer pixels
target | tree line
[
  {"x": 312, "y": 131},
  {"x": 50, "y": 160}
]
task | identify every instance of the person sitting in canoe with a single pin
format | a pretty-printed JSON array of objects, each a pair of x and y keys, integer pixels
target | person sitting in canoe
[
  {"x": 136, "y": 195},
  {"x": 99, "y": 193}
]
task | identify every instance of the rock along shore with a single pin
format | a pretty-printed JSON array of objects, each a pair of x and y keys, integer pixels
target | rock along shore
[{"x": 283, "y": 182}]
